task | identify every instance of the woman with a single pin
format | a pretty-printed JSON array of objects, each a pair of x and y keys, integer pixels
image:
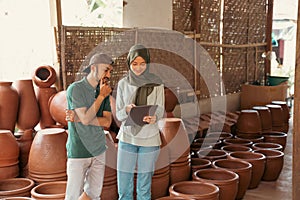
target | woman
[{"x": 138, "y": 146}]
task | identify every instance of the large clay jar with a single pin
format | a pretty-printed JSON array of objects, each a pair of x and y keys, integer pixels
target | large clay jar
[
  {"x": 15, "y": 187},
  {"x": 43, "y": 95},
  {"x": 274, "y": 163},
  {"x": 170, "y": 101},
  {"x": 9, "y": 102},
  {"x": 48, "y": 156},
  {"x": 9, "y": 152},
  {"x": 242, "y": 168},
  {"x": 257, "y": 160},
  {"x": 265, "y": 117},
  {"x": 44, "y": 76},
  {"x": 24, "y": 140},
  {"x": 226, "y": 180},
  {"x": 194, "y": 189},
  {"x": 57, "y": 106},
  {"x": 278, "y": 118},
  {"x": 276, "y": 137},
  {"x": 29, "y": 113},
  {"x": 249, "y": 122},
  {"x": 52, "y": 190}
]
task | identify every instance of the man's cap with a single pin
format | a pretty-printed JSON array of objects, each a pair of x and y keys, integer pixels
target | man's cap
[{"x": 99, "y": 58}]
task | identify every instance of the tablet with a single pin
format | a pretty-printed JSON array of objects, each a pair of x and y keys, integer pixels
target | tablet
[{"x": 137, "y": 113}]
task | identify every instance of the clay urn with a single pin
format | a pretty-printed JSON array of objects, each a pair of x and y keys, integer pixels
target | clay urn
[
  {"x": 265, "y": 117},
  {"x": 44, "y": 76},
  {"x": 242, "y": 168},
  {"x": 28, "y": 112},
  {"x": 211, "y": 154},
  {"x": 234, "y": 147},
  {"x": 51, "y": 190},
  {"x": 194, "y": 189},
  {"x": 9, "y": 103},
  {"x": 9, "y": 162},
  {"x": 274, "y": 163},
  {"x": 249, "y": 122},
  {"x": 43, "y": 95},
  {"x": 266, "y": 145},
  {"x": 226, "y": 180},
  {"x": 170, "y": 101},
  {"x": 276, "y": 137},
  {"x": 285, "y": 109},
  {"x": 57, "y": 106},
  {"x": 278, "y": 118},
  {"x": 48, "y": 156},
  {"x": 15, "y": 187},
  {"x": 257, "y": 160}
]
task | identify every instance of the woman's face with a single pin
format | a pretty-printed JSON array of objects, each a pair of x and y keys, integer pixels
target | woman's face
[{"x": 138, "y": 66}]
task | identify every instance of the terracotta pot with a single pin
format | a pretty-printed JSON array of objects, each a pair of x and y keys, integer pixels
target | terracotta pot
[
  {"x": 209, "y": 141},
  {"x": 48, "y": 144},
  {"x": 257, "y": 161},
  {"x": 24, "y": 140},
  {"x": 15, "y": 187},
  {"x": 249, "y": 122},
  {"x": 194, "y": 189},
  {"x": 52, "y": 190},
  {"x": 220, "y": 135},
  {"x": 242, "y": 168},
  {"x": 174, "y": 135},
  {"x": 212, "y": 154},
  {"x": 285, "y": 109},
  {"x": 276, "y": 137},
  {"x": 57, "y": 106},
  {"x": 44, "y": 76},
  {"x": 277, "y": 115},
  {"x": 180, "y": 172},
  {"x": 18, "y": 198},
  {"x": 265, "y": 117},
  {"x": 267, "y": 145},
  {"x": 43, "y": 95},
  {"x": 9, "y": 152},
  {"x": 226, "y": 180},
  {"x": 253, "y": 138},
  {"x": 195, "y": 147},
  {"x": 170, "y": 101},
  {"x": 274, "y": 163},
  {"x": 199, "y": 163},
  {"x": 234, "y": 148},
  {"x": 28, "y": 113},
  {"x": 9, "y": 103},
  {"x": 174, "y": 198},
  {"x": 235, "y": 141}
]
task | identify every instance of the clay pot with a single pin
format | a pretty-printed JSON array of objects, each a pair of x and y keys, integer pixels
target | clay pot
[
  {"x": 209, "y": 141},
  {"x": 235, "y": 141},
  {"x": 276, "y": 137},
  {"x": 267, "y": 145},
  {"x": 274, "y": 163},
  {"x": 242, "y": 168},
  {"x": 9, "y": 102},
  {"x": 226, "y": 180},
  {"x": 43, "y": 95},
  {"x": 180, "y": 172},
  {"x": 257, "y": 161},
  {"x": 57, "y": 106},
  {"x": 194, "y": 189},
  {"x": 251, "y": 137},
  {"x": 48, "y": 155},
  {"x": 249, "y": 122},
  {"x": 212, "y": 154},
  {"x": 15, "y": 187},
  {"x": 9, "y": 152},
  {"x": 18, "y": 198},
  {"x": 28, "y": 113},
  {"x": 265, "y": 117},
  {"x": 199, "y": 163},
  {"x": 234, "y": 148},
  {"x": 44, "y": 76},
  {"x": 174, "y": 198},
  {"x": 52, "y": 190},
  {"x": 220, "y": 135},
  {"x": 170, "y": 101},
  {"x": 24, "y": 140},
  {"x": 277, "y": 115},
  {"x": 285, "y": 109},
  {"x": 174, "y": 135}
]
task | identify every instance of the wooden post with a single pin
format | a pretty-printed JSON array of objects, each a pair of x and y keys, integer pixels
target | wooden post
[
  {"x": 296, "y": 117},
  {"x": 196, "y": 15},
  {"x": 269, "y": 37}
]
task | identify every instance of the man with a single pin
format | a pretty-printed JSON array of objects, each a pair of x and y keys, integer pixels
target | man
[{"x": 86, "y": 143}]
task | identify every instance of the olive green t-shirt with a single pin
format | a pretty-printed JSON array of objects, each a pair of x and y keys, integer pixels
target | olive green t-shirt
[{"x": 85, "y": 141}]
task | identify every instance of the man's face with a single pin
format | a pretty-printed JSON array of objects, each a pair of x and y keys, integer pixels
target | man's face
[{"x": 103, "y": 72}]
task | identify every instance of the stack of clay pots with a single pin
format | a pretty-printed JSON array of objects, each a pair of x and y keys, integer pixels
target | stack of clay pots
[{"x": 44, "y": 77}]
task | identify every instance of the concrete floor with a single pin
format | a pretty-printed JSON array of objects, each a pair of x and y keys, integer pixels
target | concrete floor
[{"x": 282, "y": 188}]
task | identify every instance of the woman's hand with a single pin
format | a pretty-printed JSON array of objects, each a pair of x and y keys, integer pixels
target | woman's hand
[
  {"x": 150, "y": 119},
  {"x": 128, "y": 107}
]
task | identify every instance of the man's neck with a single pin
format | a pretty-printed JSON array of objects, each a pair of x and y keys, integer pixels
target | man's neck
[{"x": 91, "y": 80}]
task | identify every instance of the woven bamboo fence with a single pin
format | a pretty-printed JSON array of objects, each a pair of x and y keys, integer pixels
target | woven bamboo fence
[{"x": 232, "y": 33}]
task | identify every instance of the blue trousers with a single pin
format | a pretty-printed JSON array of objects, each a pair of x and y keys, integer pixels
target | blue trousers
[{"x": 140, "y": 159}]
